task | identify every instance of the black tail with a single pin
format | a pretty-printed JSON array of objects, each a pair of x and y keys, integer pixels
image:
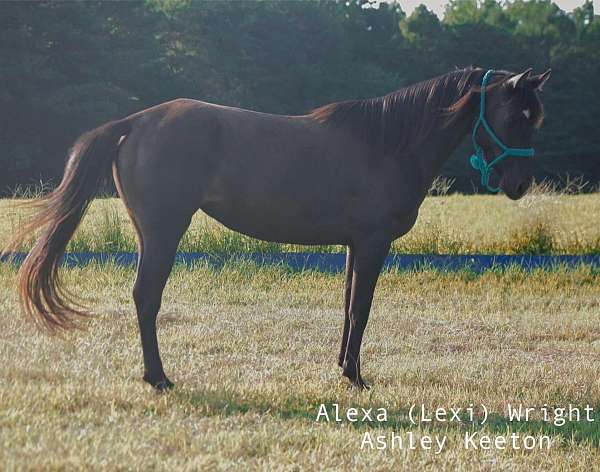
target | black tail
[{"x": 42, "y": 296}]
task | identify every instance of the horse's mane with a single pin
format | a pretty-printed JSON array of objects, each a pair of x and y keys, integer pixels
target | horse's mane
[{"x": 402, "y": 120}]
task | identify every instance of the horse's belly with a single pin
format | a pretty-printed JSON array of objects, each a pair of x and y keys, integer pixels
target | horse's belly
[{"x": 277, "y": 223}]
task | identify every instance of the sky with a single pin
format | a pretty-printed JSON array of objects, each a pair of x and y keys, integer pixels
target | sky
[{"x": 438, "y": 5}]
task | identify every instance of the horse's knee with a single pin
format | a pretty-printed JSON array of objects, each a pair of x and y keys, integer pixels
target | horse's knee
[{"x": 147, "y": 304}]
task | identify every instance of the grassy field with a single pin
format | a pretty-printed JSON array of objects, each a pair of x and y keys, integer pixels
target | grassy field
[
  {"x": 541, "y": 223},
  {"x": 253, "y": 354}
]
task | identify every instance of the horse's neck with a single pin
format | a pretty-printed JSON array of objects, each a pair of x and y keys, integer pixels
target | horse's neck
[{"x": 441, "y": 145}]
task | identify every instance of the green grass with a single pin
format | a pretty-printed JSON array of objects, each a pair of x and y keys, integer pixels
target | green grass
[
  {"x": 253, "y": 353},
  {"x": 544, "y": 222}
]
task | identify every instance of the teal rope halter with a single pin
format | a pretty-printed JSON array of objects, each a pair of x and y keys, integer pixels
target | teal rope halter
[{"x": 477, "y": 160}]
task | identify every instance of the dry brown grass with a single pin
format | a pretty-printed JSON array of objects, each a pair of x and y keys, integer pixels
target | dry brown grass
[{"x": 253, "y": 350}]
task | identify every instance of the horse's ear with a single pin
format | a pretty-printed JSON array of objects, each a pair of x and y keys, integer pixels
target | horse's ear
[
  {"x": 517, "y": 80},
  {"x": 538, "y": 81}
]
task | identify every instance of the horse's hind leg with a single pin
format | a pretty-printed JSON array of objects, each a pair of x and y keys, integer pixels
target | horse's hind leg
[{"x": 158, "y": 245}]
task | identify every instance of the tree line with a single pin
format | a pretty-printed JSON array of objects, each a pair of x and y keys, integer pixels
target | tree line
[{"x": 70, "y": 66}]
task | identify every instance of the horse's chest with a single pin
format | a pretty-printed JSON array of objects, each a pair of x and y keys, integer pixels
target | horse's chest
[
  {"x": 394, "y": 207},
  {"x": 402, "y": 224},
  {"x": 404, "y": 211}
]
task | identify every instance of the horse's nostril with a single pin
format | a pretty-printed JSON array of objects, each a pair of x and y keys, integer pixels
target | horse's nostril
[{"x": 522, "y": 188}]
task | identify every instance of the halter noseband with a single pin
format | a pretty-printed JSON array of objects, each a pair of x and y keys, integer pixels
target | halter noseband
[{"x": 477, "y": 160}]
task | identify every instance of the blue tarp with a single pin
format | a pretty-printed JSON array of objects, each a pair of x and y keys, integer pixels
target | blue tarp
[{"x": 335, "y": 262}]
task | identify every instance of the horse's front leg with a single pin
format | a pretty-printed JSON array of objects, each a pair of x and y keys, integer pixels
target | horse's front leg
[
  {"x": 369, "y": 256},
  {"x": 347, "y": 294}
]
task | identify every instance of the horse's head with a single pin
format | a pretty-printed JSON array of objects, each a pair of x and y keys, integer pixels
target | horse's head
[{"x": 512, "y": 112}]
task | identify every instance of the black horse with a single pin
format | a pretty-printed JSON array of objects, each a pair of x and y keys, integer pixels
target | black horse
[{"x": 352, "y": 173}]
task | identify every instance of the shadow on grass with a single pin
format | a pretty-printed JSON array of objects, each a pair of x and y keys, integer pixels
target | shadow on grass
[{"x": 227, "y": 404}]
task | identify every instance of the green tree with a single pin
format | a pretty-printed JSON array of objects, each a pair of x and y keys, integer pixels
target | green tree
[
  {"x": 70, "y": 66},
  {"x": 66, "y": 68}
]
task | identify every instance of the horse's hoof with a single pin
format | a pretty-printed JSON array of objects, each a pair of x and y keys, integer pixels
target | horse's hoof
[
  {"x": 359, "y": 384},
  {"x": 162, "y": 385},
  {"x": 356, "y": 381}
]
